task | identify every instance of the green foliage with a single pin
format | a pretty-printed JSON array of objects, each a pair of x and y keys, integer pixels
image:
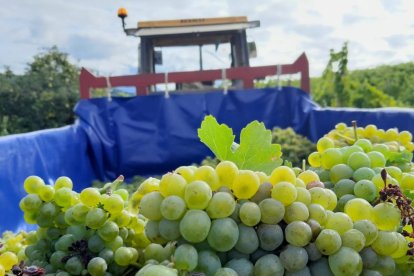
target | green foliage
[
  {"x": 43, "y": 97},
  {"x": 255, "y": 152},
  {"x": 295, "y": 147}
]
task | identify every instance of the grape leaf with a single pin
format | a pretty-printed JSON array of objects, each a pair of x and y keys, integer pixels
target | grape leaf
[
  {"x": 255, "y": 152},
  {"x": 218, "y": 138},
  {"x": 404, "y": 156}
]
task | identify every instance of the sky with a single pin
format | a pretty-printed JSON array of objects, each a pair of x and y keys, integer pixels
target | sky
[{"x": 378, "y": 32}]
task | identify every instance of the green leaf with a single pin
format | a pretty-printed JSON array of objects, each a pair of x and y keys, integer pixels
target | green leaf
[
  {"x": 400, "y": 157},
  {"x": 218, "y": 138},
  {"x": 255, "y": 152}
]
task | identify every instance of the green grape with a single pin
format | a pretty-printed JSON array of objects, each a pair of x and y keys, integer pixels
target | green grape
[
  {"x": 90, "y": 197},
  {"x": 123, "y": 193},
  {"x": 208, "y": 262},
  {"x": 223, "y": 235},
  {"x": 294, "y": 258},
  {"x": 345, "y": 262},
  {"x": 49, "y": 210},
  {"x": 114, "y": 204},
  {"x": 169, "y": 229},
  {"x": 320, "y": 196},
  {"x": 33, "y": 184},
  {"x": 248, "y": 242},
  {"x": 208, "y": 175},
  {"x": 313, "y": 252},
  {"x": 365, "y": 144},
  {"x": 243, "y": 267},
  {"x": 340, "y": 222},
  {"x": 402, "y": 247},
  {"x": 314, "y": 159},
  {"x": 173, "y": 207},
  {"x": 332, "y": 199},
  {"x": 226, "y": 171},
  {"x": 300, "y": 184},
  {"x": 187, "y": 172},
  {"x": 308, "y": 177},
  {"x": 78, "y": 231},
  {"x": 385, "y": 265},
  {"x": 365, "y": 189},
  {"x": 395, "y": 172},
  {"x": 303, "y": 195},
  {"x": 297, "y": 211},
  {"x": 63, "y": 182},
  {"x": 407, "y": 182},
  {"x": 284, "y": 192},
  {"x": 358, "y": 160},
  {"x": 386, "y": 243},
  {"x": 74, "y": 266},
  {"x": 320, "y": 267},
  {"x": 369, "y": 257},
  {"x": 56, "y": 259},
  {"x": 350, "y": 150},
  {"x": 96, "y": 243},
  {"x": 269, "y": 265},
  {"x": 298, "y": 233},
  {"x": 358, "y": 209},
  {"x": 197, "y": 195},
  {"x": 264, "y": 192},
  {"x": 324, "y": 143},
  {"x": 195, "y": 226},
  {"x": 369, "y": 230},
  {"x": 225, "y": 271},
  {"x": 339, "y": 172},
  {"x": 328, "y": 241},
  {"x": 95, "y": 218},
  {"x": 186, "y": 257},
  {"x": 363, "y": 173},
  {"x": 123, "y": 256},
  {"x": 250, "y": 213},
  {"x": 97, "y": 266},
  {"x": 155, "y": 269},
  {"x": 377, "y": 159},
  {"x": 354, "y": 239},
  {"x": 123, "y": 219},
  {"x": 282, "y": 174},
  {"x": 150, "y": 205},
  {"x": 152, "y": 232},
  {"x": 343, "y": 187},
  {"x": 386, "y": 216},
  {"x": 221, "y": 205},
  {"x": 46, "y": 193},
  {"x": 172, "y": 184},
  {"x": 156, "y": 252},
  {"x": 342, "y": 202},
  {"x": 63, "y": 197},
  {"x": 30, "y": 203},
  {"x": 80, "y": 212},
  {"x": 64, "y": 242},
  {"x": 404, "y": 137},
  {"x": 270, "y": 236},
  {"x": 109, "y": 231},
  {"x": 330, "y": 158},
  {"x": 318, "y": 213},
  {"x": 245, "y": 184}
]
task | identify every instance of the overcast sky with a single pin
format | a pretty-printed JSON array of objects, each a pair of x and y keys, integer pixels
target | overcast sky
[{"x": 378, "y": 31}]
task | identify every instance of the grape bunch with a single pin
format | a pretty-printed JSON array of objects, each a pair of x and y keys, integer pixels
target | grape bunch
[
  {"x": 228, "y": 221},
  {"x": 91, "y": 232}
]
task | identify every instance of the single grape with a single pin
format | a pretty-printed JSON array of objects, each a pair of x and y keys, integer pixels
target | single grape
[
  {"x": 186, "y": 172},
  {"x": 225, "y": 271},
  {"x": 223, "y": 235},
  {"x": 33, "y": 184},
  {"x": 304, "y": 196},
  {"x": 363, "y": 173},
  {"x": 208, "y": 262},
  {"x": 208, "y": 175},
  {"x": 407, "y": 181},
  {"x": 173, "y": 207},
  {"x": 344, "y": 187},
  {"x": 264, "y": 192},
  {"x": 63, "y": 197},
  {"x": 358, "y": 209},
  {"x": 386, "y": 243},
  {"x": 197, "y": 195},
  {"x": 248, "y": 241},
  {"x": 308, "y": 176},
  {"x": 270, "y": 236},
  {"x": 369, "y": 257},
  {"x": 90, "y": 197},
  {"x": 63, "y": 182},
  {"x": 297, "y": 211},
  {"x": 345, "y": 262},
  {"x": 340, "y": 171},
  {"x": 358, "y": 160},
  {"x": 284, "y": 192},
  {"x": 150, "y": 205},
  {"x": 172, "y": 184},
  {"x": 386, "y": 216},
  {"x": 226, "y": 171},
  {"x": 107, "y": 255},
  {"x": 298, "y": 233},
  {"x": 109, "y": 231},
  {"x": 169, "y": 229},
  {"x": 95, "y": 243},
  {"x": 377, "y": 159},
  {"x": 324, "y": 143},
  {"x": 114, "y": 204},
  {"x": 221, "y": 205},
  {"x": 282, "y": 174},
  {"x": 369, "y": 230},
  {"x": 328, "y": 241},
  {"x": 314, "y": 159},
  {"x": 46, "y": 193},
  {"x": 243, "y": 267},
  {"x": 269, "y": 265},
  {"x": 354, "y": 239},
  {"x": 320, "y": 267},
  {"x": 186, "y": 257},
  {"x": 294, "y": 258},
  {"x": 123, "y": 256},
  {"x": 313, "y": 252},
  {"x": 340, "y": 222},
  {"x": 330, "y": 158},
  {"x": 250, "y": 213},
  {"x": 402, "y": 247},
  {"x": 74, "y": 266},
  {"x": 195, "y": 226},
  {"x": 97, "y": 266},
  {"x": 365, "y": 189},
  {"x": 152, "y": 232},
  {"x": 245, "y": 184},
  {"x": 95, "y": 218},
  {"x": 318, "y": 213}
]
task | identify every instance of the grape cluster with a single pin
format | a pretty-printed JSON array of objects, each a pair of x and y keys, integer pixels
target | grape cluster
[
  {"x": 228, "y": 221},
  {"x": 91, "y": 232}
]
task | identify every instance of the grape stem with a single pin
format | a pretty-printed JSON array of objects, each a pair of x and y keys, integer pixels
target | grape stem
[
  {"x": 109, "y": 187},
  {"x": 354, "y": 125}
]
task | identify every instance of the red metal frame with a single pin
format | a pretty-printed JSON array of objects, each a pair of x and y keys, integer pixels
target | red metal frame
[{"x": 143, "y": 81}]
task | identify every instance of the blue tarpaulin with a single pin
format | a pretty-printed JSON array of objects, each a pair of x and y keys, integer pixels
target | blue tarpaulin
[{"x": 154, "y": 134}]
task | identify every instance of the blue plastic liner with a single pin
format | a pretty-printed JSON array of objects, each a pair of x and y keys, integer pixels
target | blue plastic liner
[{"x": 152, "y": 135}]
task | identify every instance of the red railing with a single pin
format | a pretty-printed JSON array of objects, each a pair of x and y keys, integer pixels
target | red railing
[{"x": 142, "y": 82}]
